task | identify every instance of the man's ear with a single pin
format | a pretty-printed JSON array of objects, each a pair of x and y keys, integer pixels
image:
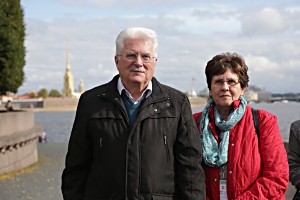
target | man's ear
[{"x": 116, "y": 60}]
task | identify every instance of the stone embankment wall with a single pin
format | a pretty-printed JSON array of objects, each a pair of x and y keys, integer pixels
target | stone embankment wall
[
  {"x": 60, "y": 104},
  {"x": 18, "y": 133},
  {"x": 197, "y": 101}
]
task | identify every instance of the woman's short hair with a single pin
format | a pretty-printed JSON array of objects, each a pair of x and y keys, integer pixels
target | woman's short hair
[
  {"x": 136, "y": 32},
  {"x": 221, "y": 62}
]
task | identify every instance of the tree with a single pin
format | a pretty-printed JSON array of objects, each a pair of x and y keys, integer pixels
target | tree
[
  {"x": 43, "y": 93},
  {"x": 12, "y": 49},
  {"x": 32, "y": 94},
  {"x": 54, "y": 93}
]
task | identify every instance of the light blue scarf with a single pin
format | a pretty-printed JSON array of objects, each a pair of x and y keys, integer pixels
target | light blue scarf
[{"x": 213, "y": 155}]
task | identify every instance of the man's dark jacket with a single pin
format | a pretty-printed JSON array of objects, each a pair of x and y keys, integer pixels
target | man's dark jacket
[{"x": 158, "y": 158}]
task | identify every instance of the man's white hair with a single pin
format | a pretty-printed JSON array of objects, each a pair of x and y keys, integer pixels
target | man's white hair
[{"x": 136, "y": 33}]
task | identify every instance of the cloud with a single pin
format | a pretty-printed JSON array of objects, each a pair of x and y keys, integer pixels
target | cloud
[
  {"x": 261, "y": 64},
  {"x": 265, "y": 21},
  {"x": 214, "y": 11},
  {"x": 129, "y": 4},
  {"x": 189, "y": 34}
]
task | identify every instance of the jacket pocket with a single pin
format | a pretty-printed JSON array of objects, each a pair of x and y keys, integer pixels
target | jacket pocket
[{"x": 162, "y": 197}]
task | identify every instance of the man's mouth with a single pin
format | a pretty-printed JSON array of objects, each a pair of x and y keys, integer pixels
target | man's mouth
[{"x": 137, "y": 69}]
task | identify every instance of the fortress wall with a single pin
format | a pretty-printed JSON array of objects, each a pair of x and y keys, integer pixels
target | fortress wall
[
  {"x": 60, "y": 103},
  {"x": 197, "y": 101},
  {"x": 18, "y": 134}
]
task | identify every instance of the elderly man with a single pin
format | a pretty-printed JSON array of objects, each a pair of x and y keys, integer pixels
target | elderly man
[{"x": 134, "y": 138}]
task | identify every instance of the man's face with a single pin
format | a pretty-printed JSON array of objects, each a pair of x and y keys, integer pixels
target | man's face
[{"x": 136, "y": 65}]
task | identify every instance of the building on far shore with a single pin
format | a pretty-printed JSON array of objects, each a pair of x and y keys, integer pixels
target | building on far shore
[
  {"x": 68, "y": 89},
  {"x": 251, "y": 96},
  {"x": 192, "y": 93},
  {"x": 81, "y": 87},
  {"x": 256, "y": 94}
]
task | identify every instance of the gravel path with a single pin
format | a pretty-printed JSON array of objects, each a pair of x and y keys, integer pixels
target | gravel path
[{"x": 42, "y": 181}]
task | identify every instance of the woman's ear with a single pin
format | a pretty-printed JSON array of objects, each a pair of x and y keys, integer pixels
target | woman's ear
[
  {"x": 209, "y": 94},
  {"x": 243, "y": 91}
]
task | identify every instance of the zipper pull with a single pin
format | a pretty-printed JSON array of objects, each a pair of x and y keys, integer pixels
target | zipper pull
[
  {"x": 165, "y": 139},
  {"x": 100, "y": 142}
]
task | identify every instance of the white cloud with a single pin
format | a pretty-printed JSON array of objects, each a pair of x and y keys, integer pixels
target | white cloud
[
  {"x": 100, "y": 71},
  {"x": 190, "y": 34},
  {"x": 265, "y": 21},
  {"x": 261, "y": 63}
]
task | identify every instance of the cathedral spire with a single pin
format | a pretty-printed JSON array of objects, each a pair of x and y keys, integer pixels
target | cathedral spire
[
  {"x": 68, "y": 89},
  {"x": 68, "y": 67}
]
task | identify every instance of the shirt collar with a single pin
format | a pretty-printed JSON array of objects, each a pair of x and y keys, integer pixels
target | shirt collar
[{"x": 146, "y": 93}]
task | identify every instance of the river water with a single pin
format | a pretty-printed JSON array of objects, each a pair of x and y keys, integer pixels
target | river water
[{"x": 58, "y": 125}]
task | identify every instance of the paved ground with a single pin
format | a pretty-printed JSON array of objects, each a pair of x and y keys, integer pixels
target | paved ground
[{"x": 42, "y": 181}]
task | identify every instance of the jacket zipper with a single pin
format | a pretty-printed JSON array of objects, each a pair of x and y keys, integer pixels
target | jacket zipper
[
  {"x": 167, "y": 149},
  {"x": 100, "y": 142}
]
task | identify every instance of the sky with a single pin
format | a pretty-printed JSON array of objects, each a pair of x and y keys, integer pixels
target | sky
[{"x": 190, "y": 32}]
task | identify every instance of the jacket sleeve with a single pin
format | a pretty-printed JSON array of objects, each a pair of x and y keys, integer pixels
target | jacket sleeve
[
  {"x": 273, "y": 182},
  {"x": 78, "y": 159},
  {"x": 294, "y": 153},
  {"x": 190, "y": 178}
]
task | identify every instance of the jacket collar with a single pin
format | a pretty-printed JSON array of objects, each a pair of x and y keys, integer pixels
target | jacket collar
[{"x": 158, "y": 93}]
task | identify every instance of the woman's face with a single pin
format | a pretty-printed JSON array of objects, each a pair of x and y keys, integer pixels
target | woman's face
[{"x": 225, "y": 88}]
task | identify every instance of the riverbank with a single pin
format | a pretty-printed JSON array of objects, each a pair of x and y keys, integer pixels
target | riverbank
[
  {"x": 195, "y": 102},
  {"x": 57, "y": 109},
  {"x": 42, "y": 181}
]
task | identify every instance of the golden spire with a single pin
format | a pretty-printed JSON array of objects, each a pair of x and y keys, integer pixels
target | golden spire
[
  {"x": 68, "y": 88},
  {"x": 67, "y": 56}
]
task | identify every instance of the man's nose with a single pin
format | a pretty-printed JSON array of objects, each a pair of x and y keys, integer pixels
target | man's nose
[{"x": 138, "y": 61}]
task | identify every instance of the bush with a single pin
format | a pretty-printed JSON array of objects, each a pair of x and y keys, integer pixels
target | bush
[
  {"x": 54, "y": 93},
  {"x": 43, "y": 93}
]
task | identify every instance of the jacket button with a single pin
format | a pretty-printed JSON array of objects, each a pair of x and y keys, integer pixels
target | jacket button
[
  {"x": 230, "y": 172},
  {"x": 155, "y": 110},
  {"x": 232, "y": 144},
  {"x": 168, "y": 104},
  {"x": 215, "y": 180},
  {"x": 116, "y": 99}
]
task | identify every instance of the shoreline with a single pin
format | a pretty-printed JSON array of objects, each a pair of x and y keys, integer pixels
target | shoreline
[
  {"x": 49, "y": 109},
  {"x": 60, "y": 109}
]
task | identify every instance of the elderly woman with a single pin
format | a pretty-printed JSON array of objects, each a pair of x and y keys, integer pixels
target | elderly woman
[{"x": 239, "y": 163}]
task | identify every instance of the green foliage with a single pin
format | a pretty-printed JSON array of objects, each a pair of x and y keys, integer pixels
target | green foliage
[
  {"x": 12, "y": 49},
  {"x": 43, "y": 93},
  {"x": 32, "y": 94},
  {"x": 205, "y": 96},
  {"x": 54, "y": 93}
]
